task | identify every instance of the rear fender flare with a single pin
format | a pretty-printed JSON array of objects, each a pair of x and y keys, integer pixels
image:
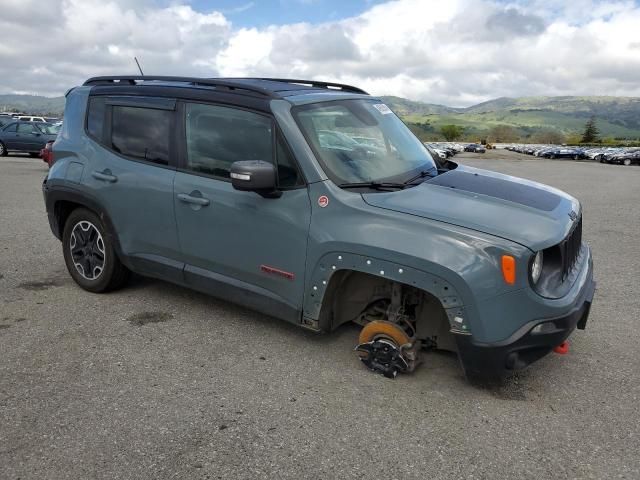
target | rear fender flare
[{"x": 54, "y": 194}]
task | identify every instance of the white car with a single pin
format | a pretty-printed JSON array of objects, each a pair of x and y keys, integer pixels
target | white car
[{"x": 32, "y": 119}]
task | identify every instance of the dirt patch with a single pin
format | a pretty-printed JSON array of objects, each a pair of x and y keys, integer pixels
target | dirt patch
[
  {"x": 143, "y": 318},
  {"x": 38, "y": 285}
]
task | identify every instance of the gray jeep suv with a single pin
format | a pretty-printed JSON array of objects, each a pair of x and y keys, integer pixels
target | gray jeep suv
[{"x": 262, "y": 192}]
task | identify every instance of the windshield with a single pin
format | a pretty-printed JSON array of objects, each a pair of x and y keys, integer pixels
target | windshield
[{"x": 362, "y": 141}]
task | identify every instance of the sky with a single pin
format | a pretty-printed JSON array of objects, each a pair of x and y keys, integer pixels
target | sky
[{"x": 451, "y": 52}]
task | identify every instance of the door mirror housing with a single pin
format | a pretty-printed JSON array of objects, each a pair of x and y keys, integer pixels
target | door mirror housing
[{"x": 255, "y": 176}]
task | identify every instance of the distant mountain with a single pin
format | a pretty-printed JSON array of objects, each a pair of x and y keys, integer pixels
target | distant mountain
[
  {"x": 403, "y": 107},
  {"x": 615, "y": 116},
  {"x": 32, "y": 104},
  {"x": 622, "y": 111}
]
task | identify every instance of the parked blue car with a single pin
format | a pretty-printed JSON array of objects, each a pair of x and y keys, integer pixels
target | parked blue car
[
  {"x": 564, "y": 152},
  {"x": 234, "y": 188},
  {"x": 27, "y": 137}
]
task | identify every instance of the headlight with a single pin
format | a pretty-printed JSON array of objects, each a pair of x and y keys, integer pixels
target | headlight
[{"x": 536, "y": 267}]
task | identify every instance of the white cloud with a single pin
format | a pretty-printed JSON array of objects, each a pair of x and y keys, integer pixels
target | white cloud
[
  {"x": 461, "y": 51},
  {"x": 77, "y": 39},
  {"x": 456, "y": 52}
]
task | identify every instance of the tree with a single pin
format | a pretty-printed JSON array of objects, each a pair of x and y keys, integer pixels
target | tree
[
  {"x": 573, "y": 139},
  {"x": 421, "y": 130},
  {"x": 451, "y": 132},
  {"x": 591, "y": 132},
  {"x": 503, "y": 134}
]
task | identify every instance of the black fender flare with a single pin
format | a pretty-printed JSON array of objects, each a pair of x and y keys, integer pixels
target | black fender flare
[
  {"x": 319, "y": 284},
  {"x": 55, "y": 193}
]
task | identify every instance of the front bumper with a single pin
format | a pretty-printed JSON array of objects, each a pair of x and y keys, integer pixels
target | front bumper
[{"x": 492, "y": 360}]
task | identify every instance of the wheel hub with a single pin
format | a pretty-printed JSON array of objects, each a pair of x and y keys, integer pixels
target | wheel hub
[
  {"x": 383, "y": 356},
  {"x": 386, "y": 348}
]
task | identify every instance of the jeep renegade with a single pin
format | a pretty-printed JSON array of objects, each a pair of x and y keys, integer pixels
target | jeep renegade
[{"x": 314, "y": 203}]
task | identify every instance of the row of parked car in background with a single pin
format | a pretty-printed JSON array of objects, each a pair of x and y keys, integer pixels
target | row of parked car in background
[
  {"x": 446, "y": 150},
  {"x": 28, "y": 134},
  {"x": 6, "y": 117},
  {"x": 613, "y": 155}
]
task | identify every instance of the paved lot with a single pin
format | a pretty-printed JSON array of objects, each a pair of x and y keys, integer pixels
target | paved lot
[{"x": 156, "y": 381}]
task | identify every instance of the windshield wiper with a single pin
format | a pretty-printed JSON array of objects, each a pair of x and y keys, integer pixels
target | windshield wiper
[
  {"x": 422, "y": 174},
  {"x": 374, "y": 185}
]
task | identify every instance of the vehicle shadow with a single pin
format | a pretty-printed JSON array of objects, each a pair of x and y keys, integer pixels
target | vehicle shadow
[{"x": 437, "y": 365}]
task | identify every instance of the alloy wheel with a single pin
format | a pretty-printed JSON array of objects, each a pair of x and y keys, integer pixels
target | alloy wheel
[{"x": 87, "y": 250}]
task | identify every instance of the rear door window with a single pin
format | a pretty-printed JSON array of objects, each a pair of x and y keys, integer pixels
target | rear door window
[
  {"x": 27, "y": 128},
  {"x": 141, "y": 133}
]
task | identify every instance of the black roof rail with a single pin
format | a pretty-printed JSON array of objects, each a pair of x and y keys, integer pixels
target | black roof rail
[
  {"x": 209, "y": 82},
  {"x": 317, "y": 84},
  {"x": 228, "y": 83}
]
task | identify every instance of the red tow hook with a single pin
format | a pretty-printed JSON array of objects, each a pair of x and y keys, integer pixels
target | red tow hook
[{"x": 562, "y": 349}]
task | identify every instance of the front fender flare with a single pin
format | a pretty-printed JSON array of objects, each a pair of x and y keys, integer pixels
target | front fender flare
[{"x": 334, "y": 262}]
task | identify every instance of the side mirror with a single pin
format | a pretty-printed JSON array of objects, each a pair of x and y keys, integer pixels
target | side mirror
[{"x": 255, "y": 176}]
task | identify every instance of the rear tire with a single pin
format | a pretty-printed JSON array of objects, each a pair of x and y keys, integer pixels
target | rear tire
[
  {"x": 3, "y": 150},
  {"x": 626, "y": 162},
  {"x": 90, "y": 255},
  {"x": 34, "y": 155}
]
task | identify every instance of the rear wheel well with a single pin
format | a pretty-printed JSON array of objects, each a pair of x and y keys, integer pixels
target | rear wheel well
[
  {"x": 62, "y": 210},
  {"x": 359, "y": 297}
]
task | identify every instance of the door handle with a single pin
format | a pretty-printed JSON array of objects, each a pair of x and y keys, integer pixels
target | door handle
[
  {"x": 186, "y": 198},
  {"x": 105, "y": 176}
]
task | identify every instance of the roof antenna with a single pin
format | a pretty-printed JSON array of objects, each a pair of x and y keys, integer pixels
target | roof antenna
[{"x": 139, "y": 67}]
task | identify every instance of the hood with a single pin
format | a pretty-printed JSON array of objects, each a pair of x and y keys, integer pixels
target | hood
[{"x": 529, "y": 213}]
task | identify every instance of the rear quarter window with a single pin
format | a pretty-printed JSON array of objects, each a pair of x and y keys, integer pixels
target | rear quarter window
[{"x": 95, "y": 118}]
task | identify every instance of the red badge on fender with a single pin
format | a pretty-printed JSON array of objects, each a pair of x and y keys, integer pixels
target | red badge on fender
[{"x": 323, "y": 201}]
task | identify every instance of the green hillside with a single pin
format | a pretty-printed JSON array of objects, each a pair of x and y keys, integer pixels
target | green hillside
[
  {"x": 616, "y": 117},
  {"x": 32, "y": 104}
]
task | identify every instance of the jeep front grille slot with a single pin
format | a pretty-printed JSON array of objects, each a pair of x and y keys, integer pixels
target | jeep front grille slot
[{"x": 570, "y": 248}]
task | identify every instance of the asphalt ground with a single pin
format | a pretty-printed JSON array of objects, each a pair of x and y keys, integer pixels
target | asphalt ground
[{"x": 156, "y": 381}]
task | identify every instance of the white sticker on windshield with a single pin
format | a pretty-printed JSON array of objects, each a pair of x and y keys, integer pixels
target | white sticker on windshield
[{"x": 382, "y": 108}]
